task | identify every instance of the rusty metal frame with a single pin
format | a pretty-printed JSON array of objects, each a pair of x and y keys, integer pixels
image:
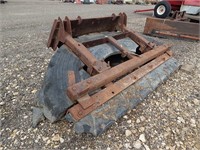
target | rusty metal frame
[
  {"x": 178, "y": 27},
  {"x": 99, "y": 80},
  {"x": 87, "y": 104},
  {"x": 63, "y": 32},
  {"x": 109, "y": 81},
  {"x": 179, "y": 16}
]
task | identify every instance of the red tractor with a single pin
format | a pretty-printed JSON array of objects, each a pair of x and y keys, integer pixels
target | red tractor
[{"x": 164, "y": 8}]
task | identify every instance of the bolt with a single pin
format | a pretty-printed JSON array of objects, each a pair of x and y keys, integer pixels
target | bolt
[
  {"x": 96, "y": 104},
  {"x": 150, "y": 66},
  {"x": 80, "y": 113}
]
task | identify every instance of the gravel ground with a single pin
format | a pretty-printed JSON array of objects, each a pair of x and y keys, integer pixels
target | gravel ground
[{"x": 168, "y": 119}]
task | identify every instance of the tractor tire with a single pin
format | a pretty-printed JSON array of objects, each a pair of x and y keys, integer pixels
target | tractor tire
[
  {"x": 52, "y": 96},
  {"x": 162, "y": 9}
]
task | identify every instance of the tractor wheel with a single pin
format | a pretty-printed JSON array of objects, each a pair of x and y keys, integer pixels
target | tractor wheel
[{"x": 162, "y": 9}]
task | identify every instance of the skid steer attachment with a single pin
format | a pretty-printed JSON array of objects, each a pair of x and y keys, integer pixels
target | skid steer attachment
[
  {"x": 179, "y": 26},
  {"x": 100, "y": 71}
]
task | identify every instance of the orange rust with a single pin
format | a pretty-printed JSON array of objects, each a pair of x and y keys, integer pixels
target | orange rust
[
  {"x": 180, "y": 28},
  {"x": 112, "y": 90}
]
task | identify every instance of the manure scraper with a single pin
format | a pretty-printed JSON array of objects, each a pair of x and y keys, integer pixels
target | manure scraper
[{"x": 100, "y": 70}]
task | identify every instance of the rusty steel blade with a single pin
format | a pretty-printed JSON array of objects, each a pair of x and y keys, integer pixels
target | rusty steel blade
[{"x": 173, "y": 28}]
